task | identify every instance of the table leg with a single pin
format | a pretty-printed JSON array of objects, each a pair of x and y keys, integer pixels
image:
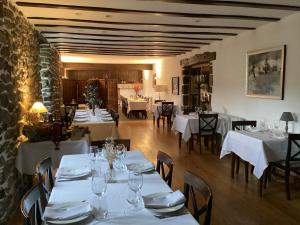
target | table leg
[
  {"x": 260, "y": 185},
  {"x": 157, "y": 121},
  {"x": 191, "y": 145},
  {"x": 233, "y": 157}
]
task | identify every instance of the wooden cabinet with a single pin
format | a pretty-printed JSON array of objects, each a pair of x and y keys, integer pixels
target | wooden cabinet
[
  {"x": 112, "y": 94},
  {"x": 69, "y": 90},
  {"x": 197, "y": 82},
  {"x": 81, "y": 85}
]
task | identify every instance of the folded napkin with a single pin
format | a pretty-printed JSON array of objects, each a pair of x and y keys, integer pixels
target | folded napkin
[
  {"x": 66, "y": 172},
  {"x": 169, "y": 200},
  {"x": 67, "y": 211},
  {"x": 140, "y": 167}
]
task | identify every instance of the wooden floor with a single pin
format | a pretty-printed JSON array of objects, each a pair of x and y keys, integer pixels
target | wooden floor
[{"x": 234, "y": 202}]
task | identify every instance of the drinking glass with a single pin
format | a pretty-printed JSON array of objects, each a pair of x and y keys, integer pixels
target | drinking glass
[
  {"x": 135, "y": 183},
  {"x": 120, "y": 150},
  {"x": 197, "y": 109},
  {"x": 93, "y": 156}
]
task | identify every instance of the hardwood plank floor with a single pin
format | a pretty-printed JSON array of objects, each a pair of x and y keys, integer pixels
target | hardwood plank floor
[{"x": 234, "y": 202}]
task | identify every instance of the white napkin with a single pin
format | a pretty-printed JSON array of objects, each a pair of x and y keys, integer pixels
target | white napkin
[
  {"x": 67, "y": 172},
  {"x": 141, "y": 167},
  {"x": 170, "y": 200},
  {"x": 67, "y": 212}
]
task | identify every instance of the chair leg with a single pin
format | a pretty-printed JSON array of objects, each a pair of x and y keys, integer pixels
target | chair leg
[
  {"x": 200, "y": 144},
  {"x": 246, "y": 171},
  {"x": 287, "y": 184},
  {"x": 233, "y": 157},
  {"x": 180, "y": 139},
  {"x": 260, "y": 185},
  {"x": 163, "y": 121}
]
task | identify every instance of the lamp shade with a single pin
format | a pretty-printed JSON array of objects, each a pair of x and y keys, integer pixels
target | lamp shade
[
  {"x": 38, "y": 107},
  {"x": 287, "y": 116},
  {"x": 160, "y": 88}
]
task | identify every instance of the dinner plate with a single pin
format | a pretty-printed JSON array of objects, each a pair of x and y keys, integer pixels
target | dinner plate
[
  {"x": 76, "y": 174},
  {"x": 143, "y": 168},
  {"x": 70, "y": 221},
  {"x": 164, "y": 210},
  {"x": 81, "y": 119}
]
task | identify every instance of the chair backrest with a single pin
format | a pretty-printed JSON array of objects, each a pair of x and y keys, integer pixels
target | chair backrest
[
  {"x": 241, "y": 125},
  {"x": 167, "y": 108},
  {"x": 158, "y": 101},
  {"x": 207, "y": 122},
  {"x": 44, "y": 171},
  {"x": 125, "y": 142},
  {"x": 193, "y": 183},
  {"x": 33, "y": 205},
  {"x": 115, "y": 116},
  {"x": 163, "y": 159},
  {"x": 293, "y": 151}
]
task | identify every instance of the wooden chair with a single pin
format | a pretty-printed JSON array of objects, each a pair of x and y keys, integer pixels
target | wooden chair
[
  {"x": 193, "y": 183},
  {"x": 207, "y": 128},
  {"x": 291, "y": 162},
  {"x": 33, "y": 205},
  {"x": 125, "y": 142},
  {"x": 44, "y": 171},
  {"x": 166, "y": 112},
  {"x": 163, "y": 159},
  {"x": 115, "y": 116},
  {"x": 235, "y": 160}
]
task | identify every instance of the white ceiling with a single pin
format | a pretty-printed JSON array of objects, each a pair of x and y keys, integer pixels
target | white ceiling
[{"x": 143, "y": 28}]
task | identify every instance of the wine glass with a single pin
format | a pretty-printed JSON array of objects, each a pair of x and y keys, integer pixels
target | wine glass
[
  {"x": 135, "y": 183},
  {"x": 99, "y": 186},
  {"x": 197, "y": 109},
  {"x": 93, "y": 156}
]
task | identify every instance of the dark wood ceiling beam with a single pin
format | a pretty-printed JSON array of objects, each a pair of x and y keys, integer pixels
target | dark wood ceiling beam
[
  {"x": 134, "y": 30},
  {"x": 121, "y": 49},
  {"x": 129, "y": 40},
  {"x": 117, "y": 53},
  {"x": 133, "y": 36},
  {"x": 236, "y": 4},
  {"x": 118, "y": 50},
  {"x": 144, "y": 12},
  {"x": 143, "y": 24},
  {"x": 85, "y": 43}
]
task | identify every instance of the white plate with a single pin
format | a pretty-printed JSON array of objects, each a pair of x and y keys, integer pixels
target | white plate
[
  {"x": 81, "y": 119},
  {"x": 146, "y": 167},
  {"x": 76, "y": 174},
  {"x": 74, "y": 220},
  {"x": 164, "y": 210}
]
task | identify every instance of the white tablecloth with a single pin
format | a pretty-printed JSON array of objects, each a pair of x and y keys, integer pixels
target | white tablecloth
[
  {"x": 30, "y": 153},
  {"x": 115, "y": 195},
  {"x": 99, "y": 128},
  {"x": 136, "y": 104},
  {"x": 257, "y": 148},
  {"x": 157, "y": 108},
  {"x": 188, "y": 125}
]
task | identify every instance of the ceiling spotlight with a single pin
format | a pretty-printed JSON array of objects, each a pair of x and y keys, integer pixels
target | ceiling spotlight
[
  {"x": 198, "y": 21},
  {"x": 78, "y": 14},
  {"x": 107, "y": 16}
]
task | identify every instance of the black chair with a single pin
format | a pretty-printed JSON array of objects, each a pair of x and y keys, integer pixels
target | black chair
[
  {"x": 291, "y": 162},
  {"x": 33, "y": 205},
  {"x": 125, "y": 142},
  {"x": 166, "y": 113},
  {"x": 164, "y": 160},
  {"x": 235, "y": 160},
  {"x": 193, "y": 183},
  {"x": 115, "y": 116},
  {"x": 44, "y": 171},
  {"x": 158, "y": 101},
  {"x": 207, "y": 128}
]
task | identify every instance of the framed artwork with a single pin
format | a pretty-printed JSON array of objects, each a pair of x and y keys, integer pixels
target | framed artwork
[
  {"x": 175, "y": 85},
  {"x": 265, "y": 73}
]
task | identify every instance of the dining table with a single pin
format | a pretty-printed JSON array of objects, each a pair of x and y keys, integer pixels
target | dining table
[
  {"x": 187, "y": 125},
  {"x": 31, "y": 153},
  {"x": 80, "y": 190},
  {"x": 258, "y": 147},
  {"x": 136, "y": 104},
  {"x": 101, "y": 125}
]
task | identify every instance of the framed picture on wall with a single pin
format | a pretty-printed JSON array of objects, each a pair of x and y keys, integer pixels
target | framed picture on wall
[
  {"x": 265, "y": 73},
  {"x": 175, "y": 85}
]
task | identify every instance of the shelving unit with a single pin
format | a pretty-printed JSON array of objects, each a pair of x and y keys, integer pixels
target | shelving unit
[{"x": 197, "y": 81}]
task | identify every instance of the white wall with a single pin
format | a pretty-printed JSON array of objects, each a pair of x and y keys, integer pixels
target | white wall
[{"x": 230, "y": 71}]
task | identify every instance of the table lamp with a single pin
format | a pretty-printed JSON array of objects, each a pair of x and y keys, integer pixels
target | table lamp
[
  {"x": 286, "y": 116},
  {"x": 38, "y": 108},
  {"x": 160, "y": 88}
]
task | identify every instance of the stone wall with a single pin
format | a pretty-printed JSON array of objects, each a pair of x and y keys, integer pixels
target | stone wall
[
  {"x": 20, "y": 86},
  {"x": 51, "y": 78}
]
